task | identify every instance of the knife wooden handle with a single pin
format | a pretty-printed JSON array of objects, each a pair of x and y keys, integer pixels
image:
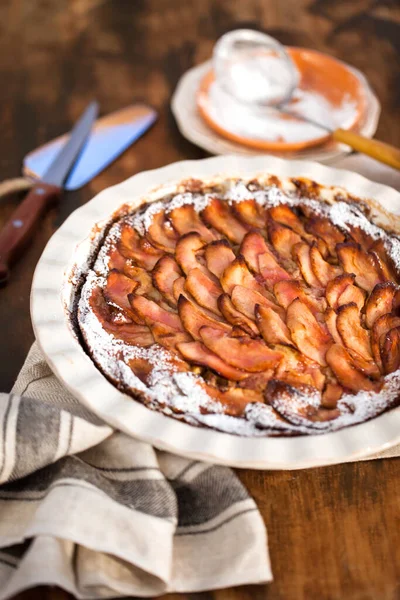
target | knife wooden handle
[
  {"x": 19, "y": 229},
  {"x": 385, "y": 153}
]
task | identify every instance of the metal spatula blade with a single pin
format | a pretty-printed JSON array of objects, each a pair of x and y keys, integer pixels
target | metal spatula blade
[{"x": 110, "y": 136}]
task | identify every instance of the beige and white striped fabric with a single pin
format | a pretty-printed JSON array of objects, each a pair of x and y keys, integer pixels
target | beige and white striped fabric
[{"x": 103, "y": 515}]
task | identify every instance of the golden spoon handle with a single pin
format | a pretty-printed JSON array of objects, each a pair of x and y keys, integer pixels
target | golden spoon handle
[{"x": 385, "y": 153}]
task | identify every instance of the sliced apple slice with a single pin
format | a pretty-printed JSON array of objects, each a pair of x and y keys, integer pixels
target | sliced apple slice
[
  {"x": 379, "y": 330},
  {"x": 245, "y": 301},
  {"x": 336, "y": 287},
  {"x": 197, "y": 353},
  {"x": 360, "y": 237},
  {"x": 168, "y": 337},
  {"x": 116, "y": 260},
  {"x": 235, "y": 317},
  {"x": 237, "y": 273},
  {"x": 302, "y": 254},
  {"x": 390, "y": 350},
  {"x": 323, "y": 271},
  {"x": 132, "y": 246},
  {"x": 287, "y": 291},
  {"x": 330, "y": 320},
  {"x": 272, "y": 327},
  {"x": 309, "y": 336},
  {"x": 253, "y": 244},
  {"x": 240, "y": 352},
  {"x": 178, "y": 288},
  {"x": 160, "y": 235},
  {"x": 295, "y": 368},
  {"x": 282, "y": 239},
  {"x": 284, "y": 215},
  {"x": 352, "y": 293},
  {"x": 193, "y": 318},
  {"x": 380, "y": 302},
  {"x": 326, "y": 230},
  {"x": 353, "y": 335},
  {"x": 151, "y": 312},
  {"x": 234, "y": 399},
  {"x": 185, "y": 219},
  {"x": 186, "y": 252},
  {"x": 118, "y": 288},
  {"x": 367, "y": 367},
  {"x": 260, "y": 258},
  {"x": 250, "y": 213},
  {"x": 164, "y": 274},
  {"x": 219, "y": 255},
  {"x": 204, "y": 289},
  {"x": 341, "y": 363},
  {"x": 219, "y": 215},
  {"x": 294, "y": 404},
  {"x": 130, "y": 333},
  {"x": 331, "y": 395},
  {"x": 383, "y": 262},
  {"x": 354, "y": 260},
  {"x": 270, "y": 270}
]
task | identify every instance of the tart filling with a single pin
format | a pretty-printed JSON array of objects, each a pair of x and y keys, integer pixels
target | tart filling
[{"x": 253, "y": 307}]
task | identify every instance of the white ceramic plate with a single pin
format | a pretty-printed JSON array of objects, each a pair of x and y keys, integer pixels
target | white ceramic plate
[
  {"x": 195, "y": 129},
  {"x": 52, "y": 291}
]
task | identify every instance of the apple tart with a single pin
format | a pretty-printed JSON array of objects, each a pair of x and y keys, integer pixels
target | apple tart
[{"x": 262, "y": 307}]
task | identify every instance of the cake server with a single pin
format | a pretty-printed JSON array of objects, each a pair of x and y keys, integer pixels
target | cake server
[{"x": 19, "y": 229}]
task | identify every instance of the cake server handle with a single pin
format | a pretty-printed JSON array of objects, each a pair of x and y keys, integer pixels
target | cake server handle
[{"x": 381, "y": 151}]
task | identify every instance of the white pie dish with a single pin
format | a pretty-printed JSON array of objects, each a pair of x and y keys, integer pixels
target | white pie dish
[{"x": 52, "y": 290}]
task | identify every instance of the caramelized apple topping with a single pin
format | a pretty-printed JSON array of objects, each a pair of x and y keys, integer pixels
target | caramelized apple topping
[
  {"x": 381, "y": 327},
  {"x": 353, "y": 335},
  {"x": 186, "y": 220},
  {"x": 241, "y": 352},
  {"x": 272, "y": 328},
  {"x": 250, "y": 213},
  {"x": 219, "y": 215},
  {"x": 310, "y": 337},
  {"x": 283, "y": 239},
  {"x": 161, "y": 234},
  {"x": 219, "y": 255},
  {"x": 341, "y": 363},
  {"x": 380, "y": 302},
  {"x": 246, "y": 300},
  {"x": 164, "y": 275},
  {"x": 325, "y": 230},
  {"x": 197, "y": 353},
  {"x": 204, "y": 289},
  {"x": 355, "y": 260},
  {"x": 390, "y": 350},
  {"x": 235, "y": 317},
  {"x": 323, "y": 271},
  {"x": 194, "y": 318},
  {"x": 186, "y": 253},
  {"x": 264, "y": 304}
]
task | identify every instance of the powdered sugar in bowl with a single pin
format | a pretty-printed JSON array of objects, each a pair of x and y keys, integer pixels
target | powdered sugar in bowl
[{"x": 254, "y": 68}]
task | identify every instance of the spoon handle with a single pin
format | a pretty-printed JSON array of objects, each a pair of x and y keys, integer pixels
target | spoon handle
[{"x": 385, "y": 153}]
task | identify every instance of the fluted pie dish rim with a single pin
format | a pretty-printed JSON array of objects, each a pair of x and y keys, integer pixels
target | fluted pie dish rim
[{"x": 53, "y": 285}]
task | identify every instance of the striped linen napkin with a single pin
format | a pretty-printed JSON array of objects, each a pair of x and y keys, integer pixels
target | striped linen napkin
[{"x": 102, "y": 515}]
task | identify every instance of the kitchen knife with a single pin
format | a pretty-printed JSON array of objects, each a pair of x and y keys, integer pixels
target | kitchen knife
[
  {"x": 19, "y": 229},
  {"x": 110, "y": 136}
]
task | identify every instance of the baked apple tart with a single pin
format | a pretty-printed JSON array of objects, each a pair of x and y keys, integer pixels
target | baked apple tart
[{"x": 262, "y": 307}]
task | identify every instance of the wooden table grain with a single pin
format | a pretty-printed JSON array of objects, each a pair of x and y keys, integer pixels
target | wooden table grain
[{"x": 334, "y": 532}]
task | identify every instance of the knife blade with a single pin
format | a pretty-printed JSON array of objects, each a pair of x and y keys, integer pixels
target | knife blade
[{"x": 20, "y": 227}]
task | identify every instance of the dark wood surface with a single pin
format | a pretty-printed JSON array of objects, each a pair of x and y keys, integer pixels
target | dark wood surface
[{"x": 334, "y": 532}]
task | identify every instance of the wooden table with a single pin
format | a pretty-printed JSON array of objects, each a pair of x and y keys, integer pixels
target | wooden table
[{"x": 334, "y": 532}]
